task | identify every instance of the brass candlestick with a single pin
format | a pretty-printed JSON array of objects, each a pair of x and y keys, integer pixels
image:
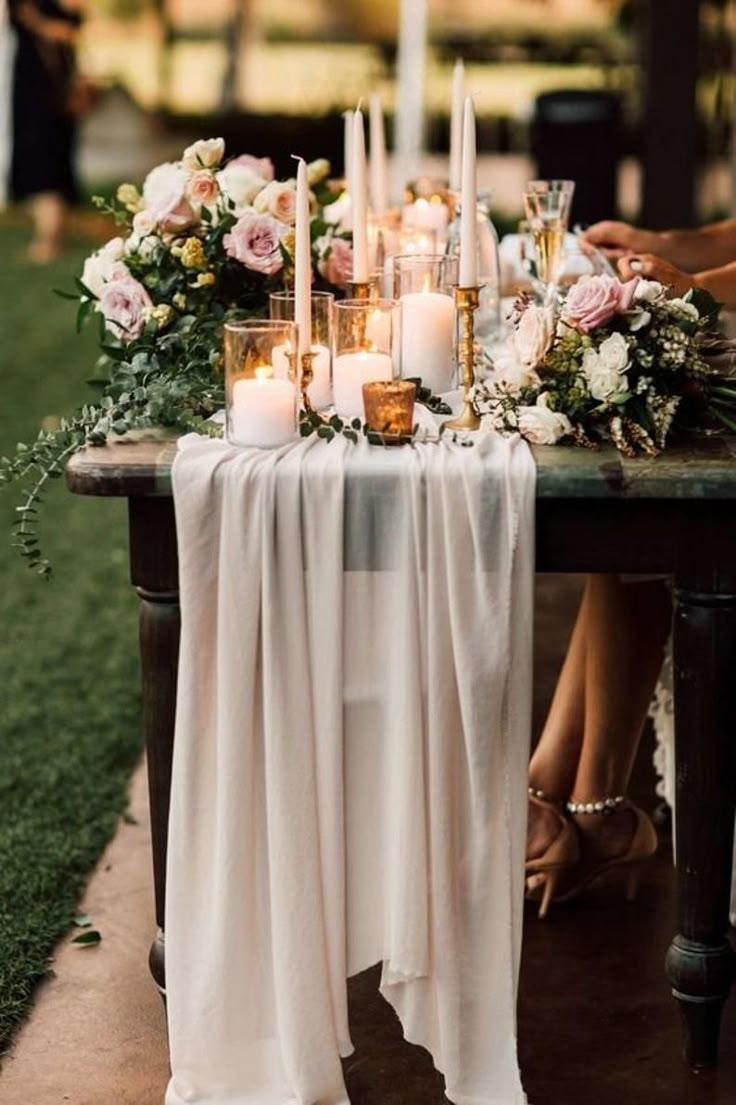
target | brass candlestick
[
  {"x": 466, "y": 302},
  {"x": 360, "y": 289},
  {"x": 303, "y": 378}
]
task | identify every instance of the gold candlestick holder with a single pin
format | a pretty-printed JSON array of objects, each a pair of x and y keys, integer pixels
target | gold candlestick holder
[
  {"x": 360, "y": 289},
  {"x": 466, "y": 302},
  {"x": 303, "y": 378}
]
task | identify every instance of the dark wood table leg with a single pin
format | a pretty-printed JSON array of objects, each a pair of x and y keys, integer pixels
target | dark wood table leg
[
  {"x": 700, "y": 961},
  {"x": 155, "y": 576}
]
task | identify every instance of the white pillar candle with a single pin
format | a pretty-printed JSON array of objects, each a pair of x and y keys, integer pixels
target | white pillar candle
[
  {"x": 456, "y": 125},
  {"x": 469, "y": 201},
  {"x": 359, "y": 195},
  {"x": 350, "y": 371},
  {"x": 303, "y": 260},
  {"x": 320, "y": 389},
  {"x": 411, "y": 65},
  {"x": 379, "y": 184},
  {"x": 426, "y": 215},
  {"x": 262, "y": 412},
  {"x": 427, "y": 338}
]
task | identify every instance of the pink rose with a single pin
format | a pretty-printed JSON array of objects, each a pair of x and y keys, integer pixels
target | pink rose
[
  {"x": 593, "y": 301},
  {"x": 278, "y": 200},
  {"x": 175, "y": 216},
  {"x": 123, "y": 301},
  {"x": 254, "y": 241},
  {"x": 337, "y": 265},
  {"x": 202, "y": 188},
  {"x": 261, "y": 166}
]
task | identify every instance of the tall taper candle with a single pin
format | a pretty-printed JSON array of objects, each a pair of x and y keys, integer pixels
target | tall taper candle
[
  {"x": 303, "y": 261},
  {"x": 379, "y": 184},
  {"x": 469, "y": 201},
  {"x": 456, "y": 125},
  {"x": 347, "y": 118},
  {"x": 411, "y": 64},
  {"x": 360, "y": 202}
]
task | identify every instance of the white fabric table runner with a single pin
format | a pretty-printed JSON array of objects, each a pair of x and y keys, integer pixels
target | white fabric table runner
[{"x": 350, "y": 761}]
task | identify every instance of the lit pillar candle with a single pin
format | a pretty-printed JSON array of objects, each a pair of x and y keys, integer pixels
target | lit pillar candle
[
  {"x": 427, "y": 337},
  {"x": 456, "y": 125},
  {"x": 263, "y": 411},
  {"x": 350, "y": 371},
  {"x": 469, "y": 201},
  {"x": 303, "y": 261},
  {"x": 379, "y": 191},
  {"x": 359, "y": 195},
  {"x": 426, "y": 214}
]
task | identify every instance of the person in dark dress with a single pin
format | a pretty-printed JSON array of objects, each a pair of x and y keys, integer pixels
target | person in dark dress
[{"x": 44, "y": 116}]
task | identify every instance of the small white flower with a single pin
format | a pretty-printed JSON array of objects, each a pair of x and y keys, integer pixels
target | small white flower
[
  {"x": 637, "y": 319},
  {"x": 337, "y": 214},
  {"x": 683, "y": 308},
  {"x": 317, "y": 171},
  {"x": 613, "y": 353},
  {"x": 604, "y": 380},
  {"x": 205, "y": 154},
  {"x": 512, "y": 372},
  {"x": 241, "y": 184},
  {"x": 649, "y": 291}
]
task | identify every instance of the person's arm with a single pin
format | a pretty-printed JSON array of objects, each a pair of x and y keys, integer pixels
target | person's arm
[
  {"x": 720, "y": 280},
  {"x": 688, "y": 250}
]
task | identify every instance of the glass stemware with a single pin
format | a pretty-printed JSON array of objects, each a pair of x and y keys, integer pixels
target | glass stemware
[{"x": 547, "y": 206}]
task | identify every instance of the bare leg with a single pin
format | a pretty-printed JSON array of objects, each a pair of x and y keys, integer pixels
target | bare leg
[
  {"x": 49, "y": 217},
  {"x": 626, "y": 629}
]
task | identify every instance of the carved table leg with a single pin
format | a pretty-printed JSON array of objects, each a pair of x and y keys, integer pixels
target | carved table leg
[
  {"x": 700, "y": 962},
  {"x": 155, "y": 576}
]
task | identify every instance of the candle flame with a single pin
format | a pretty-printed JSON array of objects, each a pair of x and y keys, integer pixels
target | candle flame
[
  {"x": 263, "y": 372},
  {"x": 427, "y": 283}
]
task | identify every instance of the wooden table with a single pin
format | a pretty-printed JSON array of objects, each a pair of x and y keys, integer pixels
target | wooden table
[{"x": 596, "y": 512}]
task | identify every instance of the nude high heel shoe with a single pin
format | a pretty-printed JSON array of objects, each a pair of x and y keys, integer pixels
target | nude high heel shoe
[
  {"x": 560, "y": 857},
  {"x": 628, "y": 864}
]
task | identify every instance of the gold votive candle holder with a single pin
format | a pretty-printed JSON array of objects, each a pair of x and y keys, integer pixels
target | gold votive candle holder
[{"x": 389, "y": 408}]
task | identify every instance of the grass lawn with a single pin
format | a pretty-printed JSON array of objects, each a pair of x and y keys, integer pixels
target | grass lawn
[{"x": 69, "y": 699}]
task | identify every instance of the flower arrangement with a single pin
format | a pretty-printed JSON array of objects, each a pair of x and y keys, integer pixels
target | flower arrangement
[
  {"x": 620, "y": 362},
  {"x": 205, "y": 240}
]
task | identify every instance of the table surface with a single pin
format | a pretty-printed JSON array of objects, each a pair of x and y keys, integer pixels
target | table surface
[{"x": 704, "y": 468}]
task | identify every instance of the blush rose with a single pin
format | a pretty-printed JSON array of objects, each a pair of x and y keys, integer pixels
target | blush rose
[
  {"x": 593, "y": 301},
  {"x": 123, "y": 302},
  {"x": 254, "y": 241}
]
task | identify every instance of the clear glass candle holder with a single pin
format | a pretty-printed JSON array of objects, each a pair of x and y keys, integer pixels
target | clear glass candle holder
[
  {"x": 423, "y": 284},
  {"x": 282, "y": 307},
  {"x": 260, "y": 389},
  {"x": 408, "y": 239},
  {"x": 366, "y": 347}
]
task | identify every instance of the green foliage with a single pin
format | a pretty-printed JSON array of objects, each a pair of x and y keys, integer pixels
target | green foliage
[{"x": 69, "y": 714}]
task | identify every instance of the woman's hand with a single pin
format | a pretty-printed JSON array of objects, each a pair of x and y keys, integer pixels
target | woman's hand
[
  {"x": 651, "y": 267},
  {"x": 617, "y": 239}
]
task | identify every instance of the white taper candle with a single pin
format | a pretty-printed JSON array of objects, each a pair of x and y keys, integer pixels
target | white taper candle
[
  {"x": 469, "y": 201},
  {"x": 456, "y": 125},
  {"x": 359, "y": 195},
  {"x": 379, "y": 184},
  {"x": 303, "y": 261}
]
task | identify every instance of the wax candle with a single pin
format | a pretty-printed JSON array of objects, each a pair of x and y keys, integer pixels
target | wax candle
[
  {"x": 263, "y": 411},
  {"x": 426, "y": 214},
  {"x": 411, "y": 64},
  {"x": 347, "y": 118},
  {"x": 350, "y": 372},
  {"x": 469, "y": 200},
  {"x": 359, "y": 195},
  {"x": 303, "y": 261},
  {"x": 379, "y": 188},
  {"x": 427, "y": 338},
  {"x": 456, "y": 125},
  {"x": 320, "y": 389}
]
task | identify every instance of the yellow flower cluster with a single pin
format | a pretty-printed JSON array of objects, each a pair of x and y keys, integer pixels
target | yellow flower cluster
[
  {"x": 161, "y": 314},
  {"x": 192, "y": 254},
  {"x": 130, "y": 197},
  {"x": 204, "y": 280}
]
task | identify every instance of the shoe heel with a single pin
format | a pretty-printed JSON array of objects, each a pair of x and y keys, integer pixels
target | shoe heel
[{"x": 550, "y": 885}]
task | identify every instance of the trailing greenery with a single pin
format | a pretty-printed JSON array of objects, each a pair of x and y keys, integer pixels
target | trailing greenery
[{"x": 69, "y": 720}]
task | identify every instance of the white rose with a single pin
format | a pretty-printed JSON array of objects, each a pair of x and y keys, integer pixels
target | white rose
[
  {"x": 338, "y": 214},
  {"x": 649, "y": 291},
  {"x": 604, "y": 381},
  {"x": 104, "y": 265},
  {"x": 682, "y": 307},
  {"x": 317, "y": 171},
  {"x": 613, "y": 353},
  {"x": 533, "y": 335},
  {"x": 163, "y": 183},
  {"x": 205, "y": 154},
  {"x": 513, "y": 373},
  {"x": 240, "y": 183},
  {"x": 542, "y": 426},
  {"x": 277, "y": 199}
]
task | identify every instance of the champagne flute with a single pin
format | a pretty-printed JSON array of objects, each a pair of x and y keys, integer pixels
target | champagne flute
[{"x": 547, "y": 207}]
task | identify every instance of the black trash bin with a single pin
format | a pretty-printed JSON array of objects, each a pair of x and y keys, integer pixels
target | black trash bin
[{"x": 576, "y": 135}]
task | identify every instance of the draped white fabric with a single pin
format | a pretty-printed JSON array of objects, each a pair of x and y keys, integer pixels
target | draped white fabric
[{"x": 350, "y": 762}]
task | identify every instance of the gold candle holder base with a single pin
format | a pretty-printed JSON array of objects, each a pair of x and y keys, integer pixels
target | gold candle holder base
[
  {"x": 360, "y": 289},
  {"x": 303, "y": 378},
  {"x": 466, "y": 302}
]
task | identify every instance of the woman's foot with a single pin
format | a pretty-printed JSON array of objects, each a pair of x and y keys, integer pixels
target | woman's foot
[{"x": 544, "y": 824}]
